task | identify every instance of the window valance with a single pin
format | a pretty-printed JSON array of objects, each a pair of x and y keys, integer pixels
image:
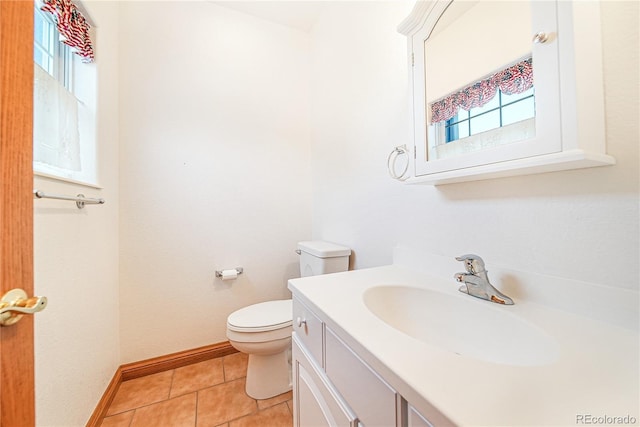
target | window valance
[
  {"x": 72, "y": 26},
  {"x": 515, "y": 79}
]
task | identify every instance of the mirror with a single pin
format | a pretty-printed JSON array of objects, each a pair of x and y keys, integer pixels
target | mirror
[
  {"x": 504, "y": 88},
  {"x": 485, "y": 97}
]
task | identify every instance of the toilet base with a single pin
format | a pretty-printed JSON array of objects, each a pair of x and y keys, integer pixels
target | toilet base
[{"x": 268, "y": 375}]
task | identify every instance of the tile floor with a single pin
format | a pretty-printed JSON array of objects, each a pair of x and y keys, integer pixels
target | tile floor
[{"x": 205, "y": 394}]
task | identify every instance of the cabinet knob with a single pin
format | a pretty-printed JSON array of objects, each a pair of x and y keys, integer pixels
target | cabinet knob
[
  {"x": 300, "y": 321},
  {"x": 540, "y": 37}
]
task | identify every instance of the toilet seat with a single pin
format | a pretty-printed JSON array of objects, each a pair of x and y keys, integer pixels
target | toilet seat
[{"x": 262, "y": 317}]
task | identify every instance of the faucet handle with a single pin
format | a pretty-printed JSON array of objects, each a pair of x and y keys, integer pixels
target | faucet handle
[{"x": 472, "y": 263}]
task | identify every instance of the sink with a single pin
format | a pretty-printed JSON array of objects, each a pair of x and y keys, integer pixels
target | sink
[{"x": 463, "y": 325}]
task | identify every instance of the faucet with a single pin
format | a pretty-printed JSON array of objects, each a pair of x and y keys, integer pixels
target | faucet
[{"x": 476, "y": 281}]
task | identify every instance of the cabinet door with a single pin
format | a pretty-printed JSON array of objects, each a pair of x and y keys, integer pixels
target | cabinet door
[
  {"x": 464, "y": 52},
  {"x": 415, "y": 419},
  {"x": 315, "y": 403},
  {"x": 370, "y": 397},
  {"x": 546, "y": 136}
]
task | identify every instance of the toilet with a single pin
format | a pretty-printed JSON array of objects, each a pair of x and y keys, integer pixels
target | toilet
[{"x": 263, "y": 330}]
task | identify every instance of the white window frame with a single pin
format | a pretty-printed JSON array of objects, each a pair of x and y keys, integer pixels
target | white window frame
[
  {"x": 521, "y": 130},
  {"x": 59, "y": 53},
  {"x": 79, "y": 79}
]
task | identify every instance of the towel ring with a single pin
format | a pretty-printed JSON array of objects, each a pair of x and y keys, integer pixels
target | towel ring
[{"x": 392, "y": 159}]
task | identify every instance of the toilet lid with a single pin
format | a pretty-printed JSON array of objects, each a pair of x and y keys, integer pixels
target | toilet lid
[{"x": 265, "y": 316}]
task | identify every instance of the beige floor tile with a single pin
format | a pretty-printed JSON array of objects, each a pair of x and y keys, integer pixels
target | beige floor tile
[
  {"x": 197, "y": 376},
  {"x": 176, "y": 412},
  {"x": 222, "y": 403},
  {"x": 276, "y": 416},
  {"x": 267, "y": 403},
  {"x": 120, "y": 420},
  {"x": 235, "y": 366},
  {"x": 141, "y": 392}
]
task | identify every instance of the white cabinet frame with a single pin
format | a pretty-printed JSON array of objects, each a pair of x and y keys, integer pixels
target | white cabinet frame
[{"x": 570, "y": 128}]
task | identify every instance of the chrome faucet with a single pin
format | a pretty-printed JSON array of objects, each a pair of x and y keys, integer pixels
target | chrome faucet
[{"x": 476, "y": 281}]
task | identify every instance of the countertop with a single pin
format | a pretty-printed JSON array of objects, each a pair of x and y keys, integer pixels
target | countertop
[{"x": 596, "y": 373}]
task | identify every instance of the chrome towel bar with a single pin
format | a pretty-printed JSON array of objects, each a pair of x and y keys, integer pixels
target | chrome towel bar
[{"x": 79, "y": 199}]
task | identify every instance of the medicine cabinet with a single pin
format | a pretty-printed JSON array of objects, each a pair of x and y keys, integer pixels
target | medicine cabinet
[{"x": 504, "y": 88}]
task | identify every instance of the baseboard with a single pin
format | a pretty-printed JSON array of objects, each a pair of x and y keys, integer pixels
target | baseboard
[
  {"x": 105, "y": 401},
  {"x": 175, "y": 360},
  {"x": 142, "y": 368}
]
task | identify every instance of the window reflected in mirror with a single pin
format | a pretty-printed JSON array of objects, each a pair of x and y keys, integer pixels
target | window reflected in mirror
[{"x": 479, "y": 90}]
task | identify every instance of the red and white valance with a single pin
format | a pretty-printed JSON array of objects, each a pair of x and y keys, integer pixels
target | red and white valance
[
  {"x": 72, "y": 26},
  {"x": 515, "y": 79}
]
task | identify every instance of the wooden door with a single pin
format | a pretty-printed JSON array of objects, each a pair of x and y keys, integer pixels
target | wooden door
[{"x": 17, "y": 397}]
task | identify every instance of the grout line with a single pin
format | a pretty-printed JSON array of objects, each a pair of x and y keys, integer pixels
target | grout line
[
  {"x": 197, "y": 400},
  {"x": 224, "y": 370},
  {"x": 173, "y": 375},
  {"x": 276, "y": 403},
  {"x": 251, "y": 414},
  {"x": 150, "y": 404},
  {"x": 195, "y": 417}
]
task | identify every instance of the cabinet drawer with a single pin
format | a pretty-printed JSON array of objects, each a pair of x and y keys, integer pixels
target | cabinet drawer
[
  {"x": 373, "y": 401},
  {"x": 309, "y": 330},
  {"x": 315, "y": 401}
]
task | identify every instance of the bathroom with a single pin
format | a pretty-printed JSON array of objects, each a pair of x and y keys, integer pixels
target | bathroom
[{"x": 224, "y": 138}]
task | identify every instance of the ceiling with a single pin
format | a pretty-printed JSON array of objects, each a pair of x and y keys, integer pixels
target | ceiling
[{"x": 299, "y": 14}]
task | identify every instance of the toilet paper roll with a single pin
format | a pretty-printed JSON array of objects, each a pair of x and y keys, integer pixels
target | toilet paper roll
[{"x": 229, "y": 274}]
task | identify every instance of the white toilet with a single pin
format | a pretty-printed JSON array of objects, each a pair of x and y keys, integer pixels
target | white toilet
[{"x": 263, "y": 330}]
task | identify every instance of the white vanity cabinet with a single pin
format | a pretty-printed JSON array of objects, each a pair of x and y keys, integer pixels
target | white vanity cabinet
[{"x": 333, "y": 386}]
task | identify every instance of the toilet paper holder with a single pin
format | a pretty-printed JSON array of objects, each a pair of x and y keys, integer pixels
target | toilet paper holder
[{"x": 238, "y": 270}]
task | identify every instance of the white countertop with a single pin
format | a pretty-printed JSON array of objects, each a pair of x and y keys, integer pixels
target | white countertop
[{"x": 595, "y": 374}]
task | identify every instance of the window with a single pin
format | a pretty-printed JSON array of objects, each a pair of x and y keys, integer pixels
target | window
[
  {"x": 496, "y": 110},
  {"x": 49, "y": 52},
  {"x": 501, "y": 111},
  {"x": 64, "y": 95}
]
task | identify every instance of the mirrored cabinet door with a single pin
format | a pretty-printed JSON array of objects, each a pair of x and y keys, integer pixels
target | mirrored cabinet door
[{"x": 488, "y": 93}]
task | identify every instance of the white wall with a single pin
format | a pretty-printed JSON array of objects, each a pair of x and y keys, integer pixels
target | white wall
[
  {"x": 214, "y": 169},
  {"x": 77, "y": 348},
  {"x": 578, "y": 224}
]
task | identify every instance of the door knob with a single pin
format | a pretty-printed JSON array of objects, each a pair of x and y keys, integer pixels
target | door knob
[{"x": 15, "y": 303}]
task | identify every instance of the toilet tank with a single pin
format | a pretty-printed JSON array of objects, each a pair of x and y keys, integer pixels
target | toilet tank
[{"x": 318, "y": 257}]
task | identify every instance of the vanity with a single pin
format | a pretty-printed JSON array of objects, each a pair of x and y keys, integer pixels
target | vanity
[{"x": 397, "y": 346}]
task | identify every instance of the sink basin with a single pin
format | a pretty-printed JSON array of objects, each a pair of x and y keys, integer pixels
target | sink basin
[{"x": 463, "y": 325}]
